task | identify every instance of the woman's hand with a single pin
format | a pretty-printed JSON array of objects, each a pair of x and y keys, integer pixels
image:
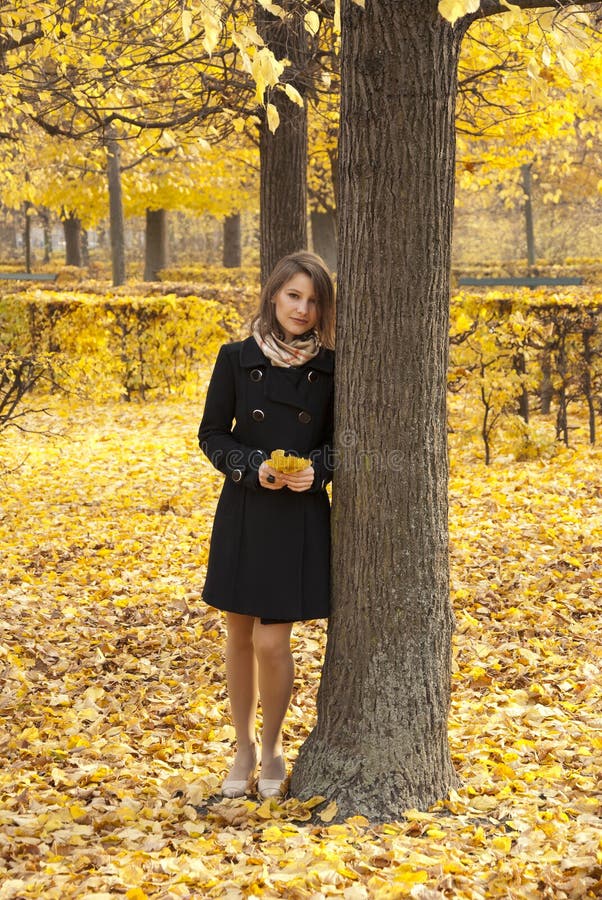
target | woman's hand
[
  {"x": 300, "y": 481},
  {"x": 266, "y": 471}
]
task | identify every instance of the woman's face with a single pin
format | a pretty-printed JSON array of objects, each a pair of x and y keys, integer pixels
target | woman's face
[{"x": 296, "y": 306}]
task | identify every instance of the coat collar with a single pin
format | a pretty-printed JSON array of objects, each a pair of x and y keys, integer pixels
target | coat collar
[{"x": 251, "y": 355}]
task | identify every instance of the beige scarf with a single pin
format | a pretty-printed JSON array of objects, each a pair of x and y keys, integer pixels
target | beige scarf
[{"x": 298, "y": 352}]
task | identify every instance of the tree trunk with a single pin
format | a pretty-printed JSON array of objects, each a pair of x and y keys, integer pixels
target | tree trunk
[
  {"x": 232, "y": 256},
  {"x": 27, "y": 235},
  {"x": 283, "y": 155},
  {"x": 155, "y": 257},
  {"x": 45, "y": 216},
  {"x": 529, "y": 229},
  {"x": 116, "y": 217},
  {"x": 333, "y": 156},
  {"x": 562, "y": 424},
  {"x": 85, "y": 247},
  {"x": 520, "y": 367},
  {"x": 324, "y": 237},
  {"x": 380, "y": 744},
  {"x": 588, "y": 358},
  {"x": 546, "y": 391},
  {"x": 72, "y": 228}
]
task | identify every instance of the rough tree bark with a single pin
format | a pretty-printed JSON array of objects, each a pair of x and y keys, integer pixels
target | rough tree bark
[
  {"x": 380, "y": 744},
  {"x": 72, "y": 228},
  {"x": 283, "y": 155},
  {"x": 116, "y": 216},
  {"x": 232, "y": 254},
  {"x": 155, "y": 243}
]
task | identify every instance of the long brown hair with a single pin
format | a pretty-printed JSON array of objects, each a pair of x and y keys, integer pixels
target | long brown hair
[{"x": 285, "y": 269}]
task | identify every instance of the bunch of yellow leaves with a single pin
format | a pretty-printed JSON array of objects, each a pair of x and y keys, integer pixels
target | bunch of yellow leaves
[{"x": 287, "y": 464}]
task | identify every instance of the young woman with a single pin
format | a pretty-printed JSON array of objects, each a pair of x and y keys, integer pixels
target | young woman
[{"x": 269, "y": 559}]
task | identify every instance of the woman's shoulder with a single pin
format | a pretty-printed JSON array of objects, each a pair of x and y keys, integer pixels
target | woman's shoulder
[
  {"x": 245, "y": 352},
  {"x": 235, "y": 348},
  {"x": 324, "y": 360},
  {"x": 232, "y": 347}
]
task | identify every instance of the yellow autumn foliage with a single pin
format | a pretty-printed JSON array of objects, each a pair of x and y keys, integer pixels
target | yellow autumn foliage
[
  {"x": 107, "y": 346},
  {"x": 115, "y": 724},
  {"x": 143, "y": 341},
  {"x": 510, "y": 345},
  {"x": 283, "y": 463}
]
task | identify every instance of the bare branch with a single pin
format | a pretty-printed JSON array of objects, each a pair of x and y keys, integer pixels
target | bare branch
[{"x": 184, "y": 119}]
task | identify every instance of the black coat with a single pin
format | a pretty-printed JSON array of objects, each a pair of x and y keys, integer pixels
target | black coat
[{"x": 270, "y": 549}]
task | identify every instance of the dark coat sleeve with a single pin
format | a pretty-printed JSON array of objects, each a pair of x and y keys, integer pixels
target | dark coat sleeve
[
  {"x": 215, "y": 431},
  {"x": 322, "y": 458}
]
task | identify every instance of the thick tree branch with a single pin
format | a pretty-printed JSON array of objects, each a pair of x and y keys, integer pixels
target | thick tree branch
[
  {"x": 9, "y": 43},
  {"x": 493, "y": 7}
]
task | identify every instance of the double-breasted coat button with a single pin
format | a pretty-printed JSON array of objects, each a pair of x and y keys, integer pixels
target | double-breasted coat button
[
  {"x": 237, "y": 475},
  {"x": 258, "y": 415},
  {"x": 304, "y": 417},
  {"x": 256, "y": 375},
  {"x": 312, "y": 376}
]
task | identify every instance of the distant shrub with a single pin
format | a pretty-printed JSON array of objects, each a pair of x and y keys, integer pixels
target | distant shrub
[{"x": 107, "y": 346}]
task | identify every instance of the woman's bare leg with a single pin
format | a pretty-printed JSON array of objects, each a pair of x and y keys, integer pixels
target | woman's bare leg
[
  {"x": 276, "y": 674},
  {"x": 241, "y": 675}
]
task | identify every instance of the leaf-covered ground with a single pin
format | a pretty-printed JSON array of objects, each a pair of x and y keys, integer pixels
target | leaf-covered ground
[{"x": 114, "y": 730}]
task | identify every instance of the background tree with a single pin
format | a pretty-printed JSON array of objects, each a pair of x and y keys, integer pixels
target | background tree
[
  {"x": 143, "y": 67},
  {"x": 541, "y": 111},
  {"x": 221, "y": 181},
  {"x": 202, "y": 73},
  {"x": 283, "y": 150}
]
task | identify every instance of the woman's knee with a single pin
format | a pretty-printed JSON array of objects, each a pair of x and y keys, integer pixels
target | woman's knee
[
  {"x": 272, "y": 643},
  {"x": 240, "y": 630}
]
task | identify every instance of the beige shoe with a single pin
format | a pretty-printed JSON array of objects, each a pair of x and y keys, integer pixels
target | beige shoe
[
  {"x": 271, "y": 787},
  {"x": 235, "y": 787},
  {"x": 239, "y": 787}
]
